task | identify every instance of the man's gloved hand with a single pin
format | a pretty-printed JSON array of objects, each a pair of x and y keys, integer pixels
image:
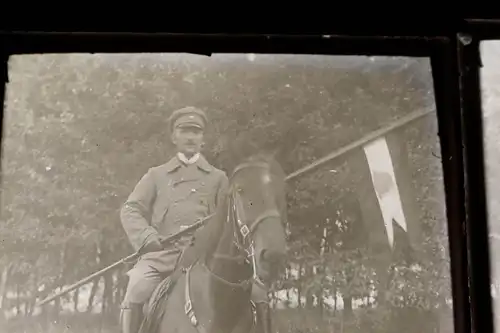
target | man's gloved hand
[{"x": 153, "y": 244}]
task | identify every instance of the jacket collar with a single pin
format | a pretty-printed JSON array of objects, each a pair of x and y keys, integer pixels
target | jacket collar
[{"x": 175, "y": 163}]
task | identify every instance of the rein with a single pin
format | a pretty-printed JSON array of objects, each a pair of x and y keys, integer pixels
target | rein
[
  {"x": 241, "y": 240},
  {"x": 243, "y": 243}
]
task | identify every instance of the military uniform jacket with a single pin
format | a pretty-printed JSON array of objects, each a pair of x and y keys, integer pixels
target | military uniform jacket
[{"x": 171, "y": 196}]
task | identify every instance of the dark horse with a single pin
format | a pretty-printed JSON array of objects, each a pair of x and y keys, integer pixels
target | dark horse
[{"x": 240, "y": 250}]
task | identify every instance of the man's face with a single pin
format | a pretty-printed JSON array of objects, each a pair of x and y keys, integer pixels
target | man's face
[{"x": 188, "y": 140}]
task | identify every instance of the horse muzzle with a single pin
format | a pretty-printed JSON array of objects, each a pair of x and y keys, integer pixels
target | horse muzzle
[{"x": 272, "y": 264}]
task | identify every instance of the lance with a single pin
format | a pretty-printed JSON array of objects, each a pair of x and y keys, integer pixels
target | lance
[
  {"x": 133, "y": 256},
  {"x": 332, "y": 156}
]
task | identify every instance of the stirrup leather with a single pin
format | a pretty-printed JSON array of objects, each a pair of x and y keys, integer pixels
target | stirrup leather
[{"x": 188, "y": 303}]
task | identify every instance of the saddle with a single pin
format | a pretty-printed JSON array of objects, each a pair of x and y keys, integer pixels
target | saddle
[{"x": 155, "y": 308}]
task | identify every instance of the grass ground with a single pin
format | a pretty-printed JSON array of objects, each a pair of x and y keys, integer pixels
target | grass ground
[
  {"x": 81, "y": 323},
  {"x": 284, "y": 321}
]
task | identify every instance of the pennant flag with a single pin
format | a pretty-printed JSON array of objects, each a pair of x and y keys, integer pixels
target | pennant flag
[
  {"x": 387, "y": 199},
  {"x": 385, "y": 186},
  {"x": 388, "y": 205}
]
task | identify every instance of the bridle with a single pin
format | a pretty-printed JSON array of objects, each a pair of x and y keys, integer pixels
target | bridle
[
  {"x": 243, "y": 231},
  {"x": 242, "y": 240}
]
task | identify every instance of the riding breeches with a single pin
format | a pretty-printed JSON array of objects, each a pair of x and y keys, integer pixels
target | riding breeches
[
  {"x": 151, "y": 269},
  {"x": 147, "y": 274}
]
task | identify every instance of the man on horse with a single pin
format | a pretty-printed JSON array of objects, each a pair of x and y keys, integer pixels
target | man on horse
[{"x": 166, "y": 199}]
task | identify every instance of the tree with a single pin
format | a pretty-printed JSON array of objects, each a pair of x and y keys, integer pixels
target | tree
[{"x": 82, "y": 129}]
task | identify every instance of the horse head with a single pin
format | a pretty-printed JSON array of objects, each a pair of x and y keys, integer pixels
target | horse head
[{"x": 257, "y": 212}]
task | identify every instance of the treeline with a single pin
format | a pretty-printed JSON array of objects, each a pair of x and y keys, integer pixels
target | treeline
[{"x": 80, "y": 130}]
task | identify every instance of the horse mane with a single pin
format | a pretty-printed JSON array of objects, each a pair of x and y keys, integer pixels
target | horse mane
[{"x": 207, "y": 237}]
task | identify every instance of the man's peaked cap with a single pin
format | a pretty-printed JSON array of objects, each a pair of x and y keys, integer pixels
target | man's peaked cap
[{"x": 188, "y": 116}]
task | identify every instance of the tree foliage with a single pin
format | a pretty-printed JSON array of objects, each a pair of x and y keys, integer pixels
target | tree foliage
[{"x": 80, "y": 130}]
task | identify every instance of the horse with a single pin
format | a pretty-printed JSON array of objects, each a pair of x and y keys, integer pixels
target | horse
[{"x": 238, "y": 254}]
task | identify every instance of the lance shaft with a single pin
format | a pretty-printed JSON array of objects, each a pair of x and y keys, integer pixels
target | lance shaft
[
  {"x": 339, "y": 152},
  {"x": 131, "y": 257}
]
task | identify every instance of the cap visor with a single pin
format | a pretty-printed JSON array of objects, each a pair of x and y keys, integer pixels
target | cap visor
[{"x": 189, "y": 126}]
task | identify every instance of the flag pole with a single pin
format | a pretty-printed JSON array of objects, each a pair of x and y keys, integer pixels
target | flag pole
[{"x": 358, "y": 143}]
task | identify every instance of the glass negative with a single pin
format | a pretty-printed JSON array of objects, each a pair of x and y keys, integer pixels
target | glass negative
[{"x": 355, "y": 136}]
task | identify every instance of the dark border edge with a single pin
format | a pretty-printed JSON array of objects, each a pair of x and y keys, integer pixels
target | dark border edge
[
  {"x": 446, "y": 89},
  {"x": 477, "y": 228},
  {"x": 447, "y": 116}
]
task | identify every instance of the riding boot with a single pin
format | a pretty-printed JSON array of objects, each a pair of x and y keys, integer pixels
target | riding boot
[
  {"x": 131, "y": 318},
  {"x": 263, "y": 312}
]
